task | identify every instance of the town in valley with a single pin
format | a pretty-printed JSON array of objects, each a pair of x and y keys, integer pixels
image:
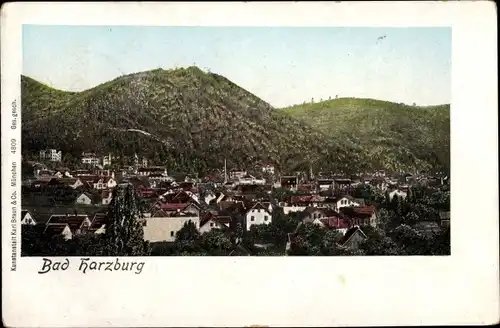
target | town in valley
[{"x": 254, "y": 210}]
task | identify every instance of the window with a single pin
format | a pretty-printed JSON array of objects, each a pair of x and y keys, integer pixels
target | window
[
  {"x": 211, "y": 224},
  {"x": 171, "y": 233},
  {"x": 258, "y": 210},
  {"x": 252, "y": 218},
  {"x": 265, "y": 218}
]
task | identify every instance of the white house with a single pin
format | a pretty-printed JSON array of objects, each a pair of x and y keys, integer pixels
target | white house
[
  {"x": 90, "y": 159},
  {"x": 84, "y": 199},
  {"x": 27, "y": 218},
  {"x": 107, "y": 196},
  {"x": 161, "y": 228},
  {"x": 258, "y": 214},
  {"x": 397, "y": 192},
  {"x": 209, "y": 196},
  {"x": 268, "y": 168},
  {"x": 106, "y": 160},
  {"x": 153, "y": 170},
  {"x": 51, "y": 155},
  {"x": 251, "y": 180},
  {"x": 293, "y": 208},
  {"x": 78, "y": 223},
  {"x": 63, "y": 229},
  {"x": 215, "y": 223},
  {"x": 346, "y": 201}
]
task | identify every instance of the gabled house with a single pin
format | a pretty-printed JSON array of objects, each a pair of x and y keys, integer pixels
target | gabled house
[
  {"x": 56, "y": 229},
  {"x": 27, "y": 218},
  {"x": 84, "y": 199},
  {"x": 258, "y": 214},
  {"x": 214, "y": 221},
  {"x": 178, "y": 208},
  {"x": 327, "y": 218},
  {"x": 98, "y": 224},
  {"x": 362, "y": 215},
  {"x": 353, "y": 238},
  {"x": 78, "y": 223},
  {"x": 397, "y": 192},
  {"x": 346, "y": 201},
  {"x": 90, "y": 159},
  {"x": 71, "y": 182}
]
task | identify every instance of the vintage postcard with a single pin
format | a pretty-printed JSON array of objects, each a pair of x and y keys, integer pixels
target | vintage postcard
[{"x": 239, "y": 164}]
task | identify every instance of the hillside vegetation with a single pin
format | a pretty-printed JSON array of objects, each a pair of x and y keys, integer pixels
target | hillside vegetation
[
  {"x": 389, "y": 135},
  {"x": 182, "y": 118}
]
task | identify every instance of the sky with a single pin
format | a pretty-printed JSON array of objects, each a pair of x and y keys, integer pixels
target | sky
[{"x": 282, "y": 65}]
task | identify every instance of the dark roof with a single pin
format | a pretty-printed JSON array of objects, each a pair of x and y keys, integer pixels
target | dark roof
[
  {"x": 98, "y": 221},
  {"x": 73, "y": 221},
  {"x": 53, "y": 229},
  {"x": 349, "y": 234}
]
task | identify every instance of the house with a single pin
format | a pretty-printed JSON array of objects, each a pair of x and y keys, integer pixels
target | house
[
  {"x": 147, "y": 171},
  {"x": 237, "y": 173},
  {"x": 106, "y": 197},
  {"x": 258, "y": 214},
  {"x": 44, "y": 174},
  {"x": 268, "y": 168},
  {"x": 397, "y": 192},
  {"x": 84, "y": 199},
  {"x": 361, "y": 215},
  {"x": 353, "y": 238},
  {"x": 289, "y": 182},
  {"x": 307, "y": 201},
  {"x": 90, "y": 159},
  {"x": 51, "y": 155},
  {"x": 177, "y": 208},
  {"x": 346, "y": 201},
  {"x": 209, "y": 196},
  {"x": 162, "y": 227},
  {"x": 98, "y": 224},
  {"x": 327, "y": 218},
  {"x": 105, "y": 183},
  {"x": 325, "y": 184},
  {"x": 106, "y": 160},
  {"x": 58, "y": 229},
  {"x": 342, "y": 183},
  {"x": 27, "y": 218},
  {"x": 251, "y": 180},
  {"x": 78, "y": 223},
  {"x": 72, "y": 182},
  {"x": 214, "y": 221},
  {"x": 79, "y": 173}
]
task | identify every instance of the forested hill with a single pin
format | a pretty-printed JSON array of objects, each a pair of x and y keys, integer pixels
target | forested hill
[
  {"x": 181, "y": 117},
  {"x": 389, "y": 135}
]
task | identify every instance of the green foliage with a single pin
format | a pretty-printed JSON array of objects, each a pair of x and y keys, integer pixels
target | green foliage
[
  {"x": 191, "y": 122},
  {"x": 124, "y": 233},
  {"x": 389, "y": 135}
]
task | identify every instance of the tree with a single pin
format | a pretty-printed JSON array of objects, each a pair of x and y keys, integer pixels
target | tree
[
  {"x": 215, "y": 242},
  {"x": 124, "y": 233},
  {"x": 187, "y": 241}
]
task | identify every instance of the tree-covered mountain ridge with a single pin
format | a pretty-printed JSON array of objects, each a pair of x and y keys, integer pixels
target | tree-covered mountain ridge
[
  {"x": 389, "y": 135},
  {"x": 180, "y": 117},
  {"x": 188, "y": 118}
]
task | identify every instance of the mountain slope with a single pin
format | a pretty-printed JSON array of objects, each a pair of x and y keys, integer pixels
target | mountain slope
[
  {"x": 389, "y": 135},
  {"x": 179, "y": 117}
]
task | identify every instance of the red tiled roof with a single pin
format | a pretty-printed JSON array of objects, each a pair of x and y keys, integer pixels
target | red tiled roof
[
  {"x": 337, "y": 223},
  {"x": 361, "y": 211}
]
